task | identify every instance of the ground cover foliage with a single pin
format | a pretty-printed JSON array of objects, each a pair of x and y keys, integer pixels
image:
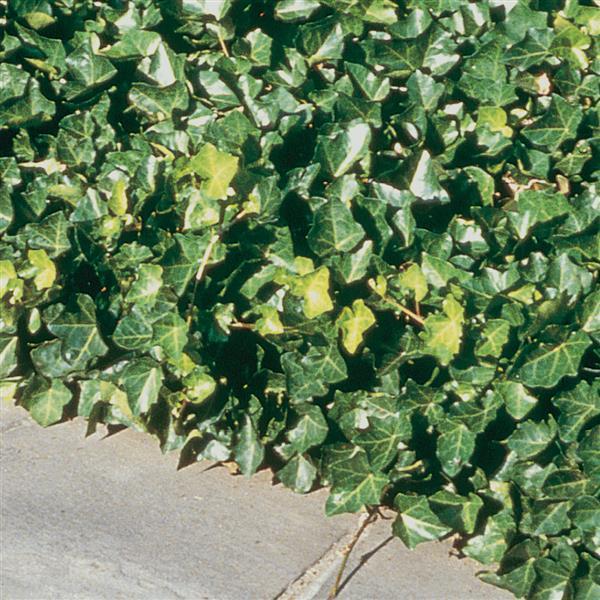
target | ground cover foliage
[{"x": 355, "y": 241}]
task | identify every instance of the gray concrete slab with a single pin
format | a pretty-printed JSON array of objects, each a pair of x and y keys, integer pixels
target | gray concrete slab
[{"x": 111, "y": 517}]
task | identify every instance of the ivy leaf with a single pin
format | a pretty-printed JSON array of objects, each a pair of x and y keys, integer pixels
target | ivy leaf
[
  {"x": 249, "y": 452},
  {"x": 547, "y": 364},
  {"x": 531, "y": 438},
  {"x": 416, "y": 522},
  {"x": 298, "y": 474},
  {"x": 216, "y": 168},
  {"x": 310, "y": 429},
  {"x": 51, "y": 234},
  {"x": 308, "y": 375},
  {"x": 577, "y": 407},
  {"x": 535, "y": 207},
  {"x": 485, "y": 77},
  {"x": 420, "y": 177},
  {"x": 45, "y": 271},
  {"x": 46, "y": 400},
  {"x": 133, "y": 332},
  {"x": 455, "y": 446},
  {"x": 354, "y": 322},
  {"x": 557, "y": 125},
  {"x": 530, "y": 51},
  {"x": 518, "y": 401},
  {"x": 354, "y": 483},
  {"x": 494, "y": 337},
  {"x": 171, "y": 334},
  {"x": 490, "y": 546},
  {"x": 314, "y": 290},
  {"x": 141, "y": 380},
  {"x": 457, "y": 511},
  {"x": 81, "y": 340},
  {"x": 334, "y": 229},
  {"x": 339, "y": 151},
  {"x": 383, "y": 437},
  {"x": 443, "y": 332}
]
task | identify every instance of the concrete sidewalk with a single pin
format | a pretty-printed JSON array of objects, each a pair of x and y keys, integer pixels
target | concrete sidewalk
[{"x": 111, "y": 517}]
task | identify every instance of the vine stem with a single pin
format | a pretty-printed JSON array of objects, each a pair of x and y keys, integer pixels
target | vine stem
[
  {"x": 222, "y": 44},
  {"x": 367, "y": 519},
  {"x": 414, "y": 316}
]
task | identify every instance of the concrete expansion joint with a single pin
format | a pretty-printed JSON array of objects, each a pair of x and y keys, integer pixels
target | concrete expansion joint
[{"x": 312, "y": 582}]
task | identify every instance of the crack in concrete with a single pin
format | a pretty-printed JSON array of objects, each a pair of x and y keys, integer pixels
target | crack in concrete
[{"x": 309, "y": 584}]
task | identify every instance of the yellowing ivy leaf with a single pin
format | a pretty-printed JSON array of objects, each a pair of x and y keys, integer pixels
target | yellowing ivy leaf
[
  {"x": 216, "y": 168},
  {"x": 414, "y": 280},
  {"x": 44, "y": 269},
  {"x": 443, "y": 332},
  {"x": 314, "y": 290},
  {"x": 354, "y": 322}
]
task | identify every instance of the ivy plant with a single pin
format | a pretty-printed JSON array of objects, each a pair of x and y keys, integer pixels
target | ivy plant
[{"x": 354, "y": 241}]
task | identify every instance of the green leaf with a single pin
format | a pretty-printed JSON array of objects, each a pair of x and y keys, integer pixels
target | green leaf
[
  {"x": 145, "y": 288},
  {"x": 489, "y": 547},
  {"x": 557, "y": 125},
  {"x": 78, "y": 331},
  {"x": 334, "y": 229},
  {"x": 51, "y": 234},
  {"x": 416, "y": 522},
  {"x": 383, "y": 437},
  {"x": 494, "y": 337},
  {"x": 565, "y": 484},
  {"x": 298, "y": 474},
  {"x": 45, "y": 400},
  {"x": 532, "y": 50},
  {"x": 171, "y": 334},
  {"x": 216, "y": 168},
  {"x": 8, "y": 355},
  {"x": 133, "y": 332},
  {"x": 457, "y": 511},
  {"x": 314, "y": 290},
  {"x": 534, "y": 208},
  {"x": 454, "y": 446},
  {"x": 340, "y": 150},
  {"x": 547, "y": 364},
  {"x": 354, "y": 483},
  {"x": 420, "y": 177},
  {"x": 309, "y": 430},
  {"x": 141, "y": 379},
  {"x": 249, "y": 452},
  {"x": 577, "y": 407},
  {"x": 530, "y": 438},
  {"x": 308, "y": 374},
  {"x": 44, "y": 269},
  {"x": 484, "y": 76},
  {"x": 518, "y": 401}
]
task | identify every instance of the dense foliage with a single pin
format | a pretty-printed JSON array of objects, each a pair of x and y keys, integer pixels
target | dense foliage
[{"x": 353, "y": 240}]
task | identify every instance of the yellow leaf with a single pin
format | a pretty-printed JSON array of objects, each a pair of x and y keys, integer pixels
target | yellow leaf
[
  {"x": 354, "y": 323},
  {"x": 443, "y": 332},
  {"x": 414, "y": 280},
  {"x": 118, "y": 199},
  {"x": 45, "y": 271},
  {"x": 314, "y": 290},
  {"x": 269, "y": 322},
  {"x": 7, "y": 274}
]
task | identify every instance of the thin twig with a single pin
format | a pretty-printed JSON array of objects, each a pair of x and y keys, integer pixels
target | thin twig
[
  {"x": 370, "y": 518},
  {"x": 414, "y": 316},
  {"x": 222, "y": 44}
]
